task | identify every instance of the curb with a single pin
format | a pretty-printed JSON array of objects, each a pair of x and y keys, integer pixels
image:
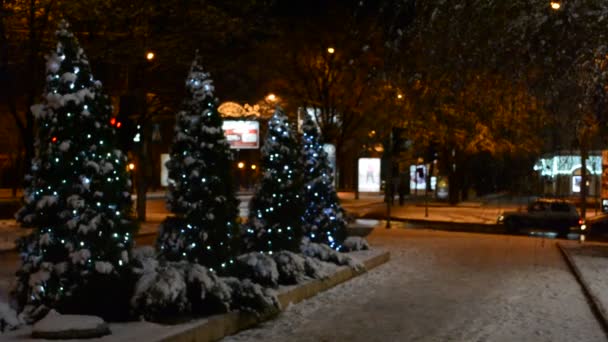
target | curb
[
  {"x": 476, "y": 227},
  {"x": 217, "y": 327},
  {"x": 596, "y": 306}
]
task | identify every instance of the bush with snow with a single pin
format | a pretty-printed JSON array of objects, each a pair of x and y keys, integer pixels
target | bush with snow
[
  {"x": 355, "y": 243},
  {"x": 325, "y": 253},
  {"x": 8, "y": 318},
  {"x": 291, "y": 267},
  {"x": 259, "y": 267},
  {"x": 172, "y": 291},
  {"x": 248, "y": 296},
  {"x": 208, "y": 294},
  {"x": 161, "y": 293}
]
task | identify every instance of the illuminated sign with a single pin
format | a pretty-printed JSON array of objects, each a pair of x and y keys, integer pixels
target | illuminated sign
[
  {"x": 369, "y": 174},
  {"x": 242, "y": 134}
]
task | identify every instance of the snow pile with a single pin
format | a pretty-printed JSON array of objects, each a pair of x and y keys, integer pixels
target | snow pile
[
  {"x": 8, "y": 318},
  {"x": 57, "y": 326},
  {"x": 260, "y": 268},
  {"x": 355, "y": 243},
  {"x": 325, "y": 253}
]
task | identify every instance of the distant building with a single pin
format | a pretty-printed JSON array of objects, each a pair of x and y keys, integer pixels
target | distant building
[{"x": 561, "y": 173}]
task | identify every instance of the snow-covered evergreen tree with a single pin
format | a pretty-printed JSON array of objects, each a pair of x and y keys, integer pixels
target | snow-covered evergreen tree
[
  {"x": 78, "y": 198},
  {"x": 324, "y": 219},
  {"x": 275, "y": 211},
  {"x": 201, "y": 192}
]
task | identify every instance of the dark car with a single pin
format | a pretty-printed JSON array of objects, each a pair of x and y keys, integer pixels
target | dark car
[{"x": 546, "y": 214}]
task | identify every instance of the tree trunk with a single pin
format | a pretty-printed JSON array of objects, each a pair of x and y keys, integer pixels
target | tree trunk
[{"x": 584, "y": 189}]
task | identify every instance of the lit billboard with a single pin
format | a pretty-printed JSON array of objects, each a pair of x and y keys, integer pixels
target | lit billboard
[
  {"x": 242, "y": 134},
  {"x": 369, "y": 174}
]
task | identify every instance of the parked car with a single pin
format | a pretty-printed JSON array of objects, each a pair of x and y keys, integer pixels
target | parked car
[{"x": 546, "y": 214}]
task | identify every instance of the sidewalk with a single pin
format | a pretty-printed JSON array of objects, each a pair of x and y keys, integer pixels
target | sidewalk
[{"x": 589, "y": 263}]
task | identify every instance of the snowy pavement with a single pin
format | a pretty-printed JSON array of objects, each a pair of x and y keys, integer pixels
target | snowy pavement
[
  {"x": 442, "y": 286},
  {"x": 590, "y": 264}
]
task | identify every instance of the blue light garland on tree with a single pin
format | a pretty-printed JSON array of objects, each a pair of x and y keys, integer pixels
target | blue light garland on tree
[
  {"x": 323, "y": 219},
  {"x": 201, "y": 192},
  {"x": 275, "y": 210},
  {"x": 78, "y": 197}
]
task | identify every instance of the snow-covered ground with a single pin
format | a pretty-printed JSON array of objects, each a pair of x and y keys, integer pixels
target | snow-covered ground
[
  {"x": 592, "y": 264},
  {"x": 442, "y": 286}
]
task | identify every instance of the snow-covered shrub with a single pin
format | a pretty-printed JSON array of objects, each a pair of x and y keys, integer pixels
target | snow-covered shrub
[
  {"x": 143, "y": 252},
  {"x": 355, "y": 243},
  {"x": 207, "y": 293},
  {"x": 33, "y": 313},
  {"x": 316, "y": 269},
  {"x": 325, "y": 253},
  {"x": 250, "y": 297},
  {"x": 8, "y": 318},
  {"x": 291, "y": 267},
  {"x": 161, "y": 292},
  {"x": 260, "y": 268}
]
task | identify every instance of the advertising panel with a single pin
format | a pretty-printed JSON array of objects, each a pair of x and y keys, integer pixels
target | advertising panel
[
  {"x": 242, "y": 134},
  {"x": 369, "y": 174},
  {"x": 418, "y": 177}
]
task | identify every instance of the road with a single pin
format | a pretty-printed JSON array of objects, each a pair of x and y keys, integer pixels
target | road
[{"x": 446, "y": 286}]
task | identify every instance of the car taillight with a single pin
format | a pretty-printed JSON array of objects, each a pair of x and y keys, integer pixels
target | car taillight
[{"x": 581, "y": 221}]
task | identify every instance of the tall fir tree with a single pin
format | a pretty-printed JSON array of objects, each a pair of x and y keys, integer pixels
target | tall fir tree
[
  {"x": 201, "y": 192},
  {"x": 275, "y": 210},
  {"x": 323, "y": 219},
  {"x": 78, "y": 199}
]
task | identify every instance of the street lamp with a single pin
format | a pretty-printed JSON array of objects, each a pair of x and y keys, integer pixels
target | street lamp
[
  {"x": 555, "y": 5},
  {"x": 150, "y": 55},
  {"x": 241, "y": 165},
  {"x": 271, "y": 97},
  {"x": 331, "y": 49}
]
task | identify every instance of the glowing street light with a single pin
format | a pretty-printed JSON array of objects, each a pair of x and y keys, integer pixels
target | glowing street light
[
  {"x": 150, "y": 55},
  {"x": 331, "y": 49},
  {"x": 399, "y": 96},
  {"x": 241, "y": 165},
  {"x": 131, "y": 166},
  {"x": 555, "y": 5},
  {"x": 253, "y": 166},
  {"x": 271, "y": 97}
]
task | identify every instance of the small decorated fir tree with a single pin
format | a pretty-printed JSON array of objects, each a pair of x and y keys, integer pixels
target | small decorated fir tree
[
  {"x": 275, "y": 211},
  {"x": 201, "y": 192},
  {"x": 324, "y": 219},
  {"x": 78, "y": 198}
]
